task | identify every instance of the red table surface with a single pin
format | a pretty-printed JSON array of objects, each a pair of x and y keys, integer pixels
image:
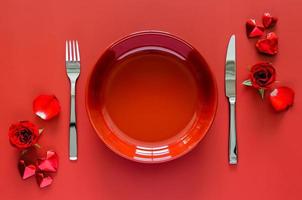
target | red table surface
[{"x": 32, "y": 39}]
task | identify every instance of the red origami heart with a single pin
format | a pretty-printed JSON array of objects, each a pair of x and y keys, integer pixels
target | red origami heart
[
  {"x": 269, "y": 45},
  {"x": 252, "y": 29},
  {"x": 39, "y": 162},
  {"x": 50, "y": 163},
  {"x": 26, "y": 170},
  {"x": 268, "y": 20},
  {"x": 43, "y": 179}
]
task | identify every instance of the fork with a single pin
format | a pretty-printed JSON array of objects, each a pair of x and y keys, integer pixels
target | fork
[{"x": 73, "y": 71}]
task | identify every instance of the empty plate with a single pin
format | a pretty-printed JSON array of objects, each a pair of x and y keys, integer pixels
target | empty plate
[{"x": 151, "y": 97}]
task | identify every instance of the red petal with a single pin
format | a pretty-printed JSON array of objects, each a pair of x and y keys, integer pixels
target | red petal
[
  {"x": 269, "y": 45},
  {"x": 282, "y": 98},
  {"x": 26, "y": 170},
  {"x": 46, "y": 106},
  {"x": 43, "y": 179},
  {"x": 50, "y": 163},
  {"x": 268, "y": 20},
  {"x": 252, "y": 29}
]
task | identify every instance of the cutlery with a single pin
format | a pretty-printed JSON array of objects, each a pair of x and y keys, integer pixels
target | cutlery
[
  {"x": 230, "y": 90},
  {"x": 73, "y": 72}
]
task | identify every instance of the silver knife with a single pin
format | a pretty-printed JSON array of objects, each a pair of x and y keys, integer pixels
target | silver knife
[{"x": 230, "y": 91}]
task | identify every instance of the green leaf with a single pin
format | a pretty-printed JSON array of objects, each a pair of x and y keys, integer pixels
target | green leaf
[
  {"x": 247, "y": 83},
  {"x": 261, "y": 92}
]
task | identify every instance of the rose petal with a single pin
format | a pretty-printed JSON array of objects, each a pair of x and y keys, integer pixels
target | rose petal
[
  {"x": 43, "y": 179},
  {"x": 50, "y": 163},
  {"x": 26, "y": 170},
  {"x": 252, "y": 29},
  {"x": 282, "y": 98},
  {"x": 269, "y": 45},
  {"x": 46, "y": 106},
  {"x": 268, "y": 20}
]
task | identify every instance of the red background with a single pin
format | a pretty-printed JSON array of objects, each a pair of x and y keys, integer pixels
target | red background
[{"x": 32, "y": 39}]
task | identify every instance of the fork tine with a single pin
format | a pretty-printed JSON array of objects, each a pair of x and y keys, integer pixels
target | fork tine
[
  {"x": 70, "y": 51},
  {"x": 66, "y": 50},
  {"x": 78, "y": 52},
  {"x": 74, "y": 52}
]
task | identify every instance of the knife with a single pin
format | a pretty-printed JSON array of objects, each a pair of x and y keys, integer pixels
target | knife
[{"x": 230, "y": 91}]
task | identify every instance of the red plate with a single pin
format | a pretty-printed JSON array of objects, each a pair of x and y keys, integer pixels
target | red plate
[{"x": 151, "y": 97}]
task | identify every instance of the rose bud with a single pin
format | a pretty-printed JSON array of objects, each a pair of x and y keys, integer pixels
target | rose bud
[
  {"x": 46, "y": 106},
  {"x": 262, "y": 75},
  {"x": 23, "y": 134}
]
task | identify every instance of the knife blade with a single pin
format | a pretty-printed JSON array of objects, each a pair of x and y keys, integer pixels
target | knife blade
[
  {"x": 230, "y": 90},
  {"x": 230, "y": 69}
]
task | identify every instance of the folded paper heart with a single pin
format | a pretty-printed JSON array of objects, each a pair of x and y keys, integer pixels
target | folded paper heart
[
  {"x": 26, "y": 170},
  {"x": 268, "y": 20},
  {"x": 253, "y": 29},
  {"x": 40, "y": 163},
  {"x": 268, "y": 45},
  {"x": 43, "y": 179},
  {"x": 50, "y": 163}
]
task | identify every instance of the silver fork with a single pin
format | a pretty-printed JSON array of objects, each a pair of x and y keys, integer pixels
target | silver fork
[{"x": 73, "y": 72}]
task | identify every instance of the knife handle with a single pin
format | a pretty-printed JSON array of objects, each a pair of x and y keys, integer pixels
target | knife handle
[{"x": 232, "y": 137}]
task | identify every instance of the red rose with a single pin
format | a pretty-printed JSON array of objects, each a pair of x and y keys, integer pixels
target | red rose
[
  {"x": 23, "y": 134},
  {"x": 262, "y": 75}
]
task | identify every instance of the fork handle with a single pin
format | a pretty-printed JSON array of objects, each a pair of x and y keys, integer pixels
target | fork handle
[
  {"x": 232, "y": 137},
  {"x": 73, "y": 150}
]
